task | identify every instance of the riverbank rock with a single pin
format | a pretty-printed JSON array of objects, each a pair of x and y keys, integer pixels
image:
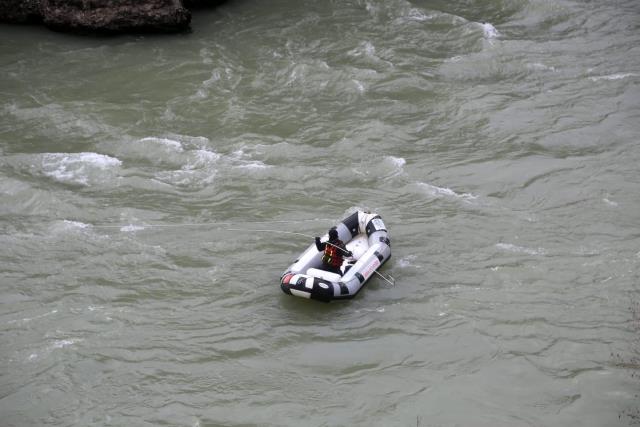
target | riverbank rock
[
  {"x": 104, "y": 16},
  {"x": 115, "y": 15},
  {"x": 194, "y": 4},
  {"x": 20, "y": 11}
]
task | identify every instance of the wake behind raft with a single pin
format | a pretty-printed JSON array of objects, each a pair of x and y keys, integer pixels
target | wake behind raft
[{"x": 366, "y": 236}]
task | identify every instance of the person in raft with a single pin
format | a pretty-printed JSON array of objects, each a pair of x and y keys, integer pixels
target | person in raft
[{"x": 334, "y": 252}]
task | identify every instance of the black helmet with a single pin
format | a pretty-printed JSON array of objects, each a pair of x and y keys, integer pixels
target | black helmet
[{"x": 333, "y": 234}]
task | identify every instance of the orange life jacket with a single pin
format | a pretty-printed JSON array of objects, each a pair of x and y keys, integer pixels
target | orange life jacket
[{"x": 333, "y": 255}]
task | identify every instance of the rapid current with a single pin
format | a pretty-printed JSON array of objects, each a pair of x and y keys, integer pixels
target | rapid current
[{"x": 151, "y": 186}]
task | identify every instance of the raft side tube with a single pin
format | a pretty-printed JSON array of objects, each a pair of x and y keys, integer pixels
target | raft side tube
[
  {"x": 351, "y": 223},
  {"x": 305, "y": 286},
  {"x": 362, "y": 270}
]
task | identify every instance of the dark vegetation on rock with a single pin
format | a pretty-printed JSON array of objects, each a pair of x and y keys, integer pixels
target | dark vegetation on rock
[{"x": 104, "y": 16}]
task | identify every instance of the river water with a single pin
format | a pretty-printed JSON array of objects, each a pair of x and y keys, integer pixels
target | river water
[{"x": 149, "y": 186}]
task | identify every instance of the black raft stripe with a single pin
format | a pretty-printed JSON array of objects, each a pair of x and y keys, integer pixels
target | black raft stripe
[
  {"x": 351, "y": 222},
  {"x": 379, "y": 255},
  {"x": 343, "y": 289},
  {"x": 370, "y": 228},
  {"x": 360, "y": 277}
]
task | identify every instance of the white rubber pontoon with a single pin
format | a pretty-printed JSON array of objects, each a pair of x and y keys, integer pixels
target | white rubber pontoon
[{"x": 366, "y": 236}]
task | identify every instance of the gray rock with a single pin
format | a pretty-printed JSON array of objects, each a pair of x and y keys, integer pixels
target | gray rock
[
  {"x": 20, "y": 11},
  {"x": 104, "y": 16},
  {"x": 115, "y": 15}
]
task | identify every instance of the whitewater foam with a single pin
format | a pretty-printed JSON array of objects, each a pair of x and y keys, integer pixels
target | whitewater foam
[
  {"x": 131, "y": 228},
  {"x": 253, "y": 165},
  {"x": 76, "y": 224},
  {"x": 201, "y": 159},
  {"x": 538, "y": 66},
  {"x": 199, "y": 169},
  {"x": 242, "y": 160},
  {"x": 617, "y": 76},
  {"x": 519, "y": 249},
  {"x": 407, "y": 261},
  {"x": 79, "y": 168},
  {"x": 417, "y": 15},
  {"x": 394, "y": 166},
  {"x": 435, "y": 191},
  {"x": 490, "y": 32},
  {"x": 167, "y": 143},
  {"x": 366, "y": 48},
  {"x": 29, "y": 319},
  {"x": 359, "y": 85},
  {"x": 398, "y": 162},
  {"x": 64, "y": 343}
]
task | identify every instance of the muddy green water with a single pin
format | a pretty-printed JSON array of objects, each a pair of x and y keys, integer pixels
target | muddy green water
[{"x": 498, "y": 139}]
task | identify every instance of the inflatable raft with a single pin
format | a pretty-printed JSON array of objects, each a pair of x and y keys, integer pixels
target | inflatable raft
[{"x": 366, "y": 236}]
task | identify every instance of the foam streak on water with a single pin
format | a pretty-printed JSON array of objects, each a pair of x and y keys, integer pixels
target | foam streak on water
[
  {"x": 153, "y": 190},
  {"x": 78, "y": 168}
]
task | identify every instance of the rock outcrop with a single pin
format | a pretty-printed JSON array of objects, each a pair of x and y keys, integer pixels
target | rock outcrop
[
  {"x": 104, "y": 16},
  {"x": 193, "y": 4},
  {"x": 20, "y": 11}
]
